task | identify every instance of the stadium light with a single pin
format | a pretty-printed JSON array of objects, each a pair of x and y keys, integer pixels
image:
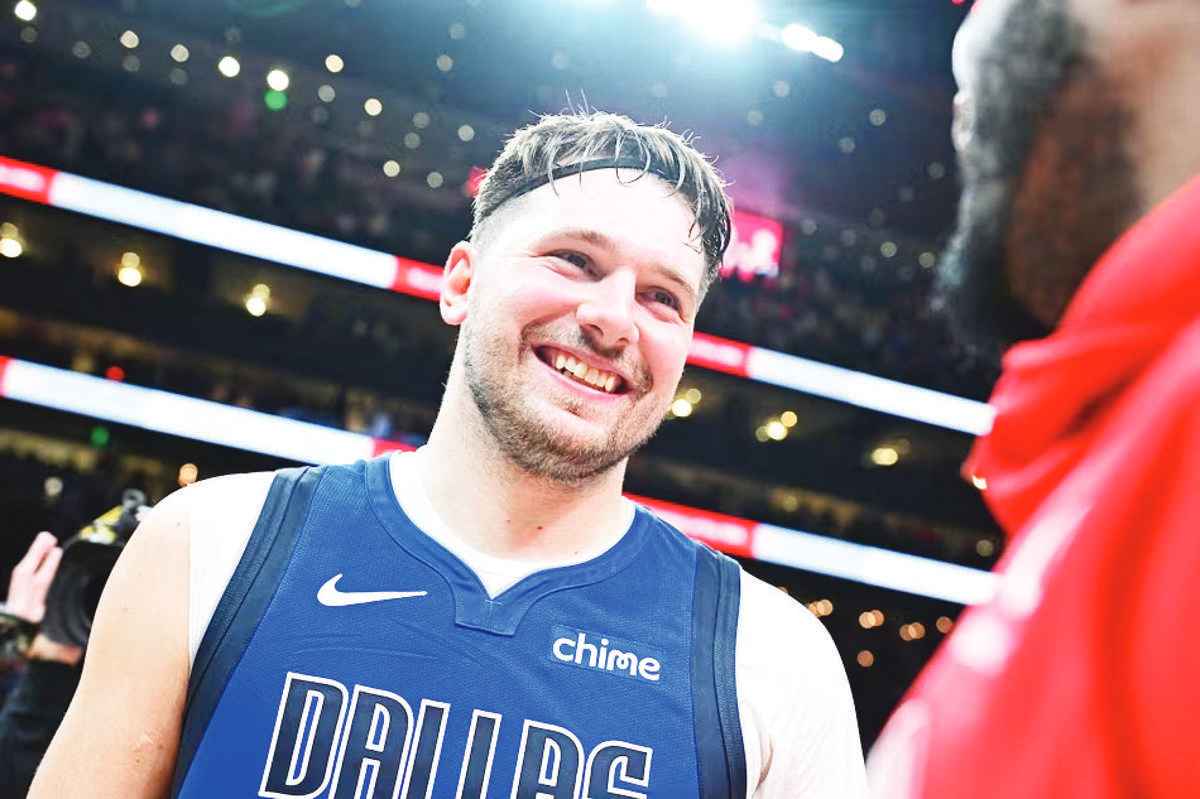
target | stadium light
[
  {"x": 278, "y": 80},
  {"x": 829, "y": 49},
  {"x": 721, "y": 21},
  {"x": 229, "y": 66},
  {"x": 25, "y": 11},
  {"x": 130, "y": 273},
  {"x": 803, "y": 39},
  {"x": 11, "y": 248}
]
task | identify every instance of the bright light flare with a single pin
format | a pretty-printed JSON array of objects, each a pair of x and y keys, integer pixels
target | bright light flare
[
  {"x": 257, "y": 299},
  {"x": 721, "y": 21},
  {"x": 229, "y": 66},
  {"x": 256, "y": 305},
  {"x": 805, "y": 40},
  {"x": 11, "y": 248},
  {"x": 130, "y": 276},
  {"x": 829, "y": 49},
  {"x": 188, "y": 474},
  {"x": 681, "y": 408},
  {"x": 278, "y": 80},
  {"x": 25, "y": 11},
  {"x": 885, "y": 456},
  {"x": 334, "y": 63}
]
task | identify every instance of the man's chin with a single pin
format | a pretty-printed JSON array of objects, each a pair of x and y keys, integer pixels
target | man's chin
[{"x": 972, "y": 291}]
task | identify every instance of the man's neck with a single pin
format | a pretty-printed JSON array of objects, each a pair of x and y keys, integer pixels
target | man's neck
[{"x": 499, "y": 508}]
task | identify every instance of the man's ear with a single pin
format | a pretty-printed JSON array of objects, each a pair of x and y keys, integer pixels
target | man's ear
[{"x": 456, "y": 282}]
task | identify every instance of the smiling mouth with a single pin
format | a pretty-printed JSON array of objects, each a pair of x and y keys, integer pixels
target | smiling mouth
[{"x": 574, "y": 369}]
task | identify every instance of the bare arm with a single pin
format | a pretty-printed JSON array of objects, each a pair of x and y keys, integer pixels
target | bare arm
[{"x": 121, "y": 733}]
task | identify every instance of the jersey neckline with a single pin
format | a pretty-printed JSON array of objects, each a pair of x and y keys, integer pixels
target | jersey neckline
[{"x": 474, "y": 608}]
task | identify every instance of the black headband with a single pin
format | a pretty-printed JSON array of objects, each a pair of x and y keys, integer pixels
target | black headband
[{"x": 623, "y": 162}]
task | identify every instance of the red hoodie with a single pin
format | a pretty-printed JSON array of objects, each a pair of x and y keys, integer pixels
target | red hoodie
[{"x": 1081, "y": 678}]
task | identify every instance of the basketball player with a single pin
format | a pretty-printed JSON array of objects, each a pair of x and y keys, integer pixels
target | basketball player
[
  {"x": 487, "y": 616},
  {"x": 1078, "y": 130}
]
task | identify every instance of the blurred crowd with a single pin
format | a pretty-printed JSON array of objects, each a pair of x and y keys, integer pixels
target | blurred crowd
[{"x": 236, "y": 155}]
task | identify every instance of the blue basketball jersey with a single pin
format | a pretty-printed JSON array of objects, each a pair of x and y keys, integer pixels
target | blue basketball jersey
[{"x": 353, "y": 657}]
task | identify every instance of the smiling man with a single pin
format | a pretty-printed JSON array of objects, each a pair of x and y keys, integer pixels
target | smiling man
[
  {"x": 487, "y": 616},
  {"x": 1077, "y": 129}
]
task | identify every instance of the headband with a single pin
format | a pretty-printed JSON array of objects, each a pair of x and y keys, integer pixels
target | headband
[{"x": 623, "y": 162}]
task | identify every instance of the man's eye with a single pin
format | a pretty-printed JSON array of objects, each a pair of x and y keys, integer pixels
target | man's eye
[
  {"x": 575, "y": 258},
  {"x": 666, "y": 298}
]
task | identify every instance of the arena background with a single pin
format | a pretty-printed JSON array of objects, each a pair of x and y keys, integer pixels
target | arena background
[{"x": 222, "y": 225}]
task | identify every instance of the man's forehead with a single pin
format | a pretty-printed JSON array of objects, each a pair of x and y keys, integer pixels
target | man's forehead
[{"x": 626, "y": 203}]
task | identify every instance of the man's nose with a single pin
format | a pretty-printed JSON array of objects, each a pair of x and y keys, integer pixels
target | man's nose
[{"x": 608, "y": 308}]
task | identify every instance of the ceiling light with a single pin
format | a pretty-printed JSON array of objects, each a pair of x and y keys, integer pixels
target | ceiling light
[
  {"x": 11, "y": 248},
  {"x": 278, "y": 80},
  {"x": 885, "y": 456},
  {"x": 130, "y": 276},
  {"x": 229, "y": 66},
  {"x": 25, "y": 11},
  {"x": 681, "y": 408}
]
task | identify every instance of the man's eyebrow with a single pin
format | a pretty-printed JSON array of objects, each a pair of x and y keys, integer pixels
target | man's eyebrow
[{"x": 602, "y": 242}]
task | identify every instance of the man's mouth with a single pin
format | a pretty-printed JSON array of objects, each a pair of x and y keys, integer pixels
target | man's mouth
[{"x": 580, "y": 372}]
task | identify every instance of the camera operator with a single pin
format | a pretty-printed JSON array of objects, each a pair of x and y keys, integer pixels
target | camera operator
[{"x": 39, "y": 698}]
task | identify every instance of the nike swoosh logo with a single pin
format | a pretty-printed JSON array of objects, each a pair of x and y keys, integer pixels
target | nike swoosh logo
[{"x": 330, "y": 596}]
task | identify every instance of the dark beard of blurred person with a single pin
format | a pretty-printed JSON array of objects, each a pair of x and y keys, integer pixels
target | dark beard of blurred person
[
  {"x": 534, "y": 446},
  {"x": 1048, "y": 183}
]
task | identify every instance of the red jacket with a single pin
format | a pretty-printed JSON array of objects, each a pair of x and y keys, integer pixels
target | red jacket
[{"x": 1081, "y": 678}]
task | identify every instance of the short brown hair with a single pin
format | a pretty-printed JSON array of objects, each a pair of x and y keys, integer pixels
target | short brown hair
[{"x": 544, "y": 151}]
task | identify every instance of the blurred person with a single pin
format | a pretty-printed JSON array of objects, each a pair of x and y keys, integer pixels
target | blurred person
[
  {"x": 487, "y": 615},
  {"x": 47, "y": 680},
  {"x": 1077, "y": 128}
]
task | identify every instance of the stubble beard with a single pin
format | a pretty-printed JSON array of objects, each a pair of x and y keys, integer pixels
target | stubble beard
[{"x": 528, "y": 442}]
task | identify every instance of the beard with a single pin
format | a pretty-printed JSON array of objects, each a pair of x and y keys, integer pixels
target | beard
[
  {"x": 1048, "y": 184},
  {"x": 533, "y": 444}
]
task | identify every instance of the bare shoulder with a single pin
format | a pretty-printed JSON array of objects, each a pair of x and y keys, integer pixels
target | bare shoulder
[
  {"x": 228, "y": 493},
  {"x": 135, "y": 673},
  {"x": 774, "y": 628},
  {"x": 797, "y": 711}
]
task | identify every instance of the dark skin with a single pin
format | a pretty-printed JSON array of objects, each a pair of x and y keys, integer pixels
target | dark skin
[{"x": 1043, "y": 134}]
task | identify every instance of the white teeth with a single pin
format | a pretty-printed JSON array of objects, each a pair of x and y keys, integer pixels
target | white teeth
[{"x": 605, "y": 381}]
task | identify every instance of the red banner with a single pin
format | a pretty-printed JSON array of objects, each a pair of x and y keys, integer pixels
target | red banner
[
  {"x": 24, "y": 180},
  {"x": 727, "y": 533},
  {"x": 383, "y": 445},
  {"x": 719, "y": 354},
  {"x": 417, "y": 278}
]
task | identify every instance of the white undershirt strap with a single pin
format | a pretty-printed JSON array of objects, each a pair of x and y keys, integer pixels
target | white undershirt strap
[{"x": 495, "y": 573}]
